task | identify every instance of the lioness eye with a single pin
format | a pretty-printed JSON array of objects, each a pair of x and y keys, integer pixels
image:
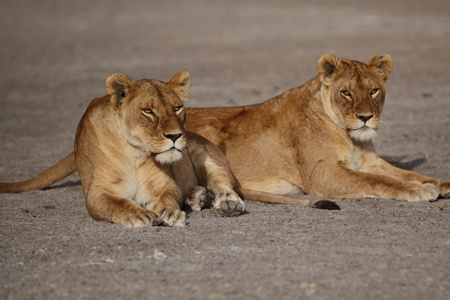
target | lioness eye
[
  {"x": 374, "y": 91},
  {"x": 177, "y": 108},
  {"x": 345, "y": 93},
  {"x": 148, "y": 111}
]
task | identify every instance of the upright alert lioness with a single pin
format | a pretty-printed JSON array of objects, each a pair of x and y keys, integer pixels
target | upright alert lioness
[
  {"x": 316, "y": 138},
  {"x": 136, "y": 162}
]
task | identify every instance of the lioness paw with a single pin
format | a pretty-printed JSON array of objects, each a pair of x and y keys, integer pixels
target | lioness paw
[
  {"x": 140, "y": 218},
  {"x": 228, "y": 205},
  {"x": 173, "y": 217},
  {"x": 422, "y": 192},
  {"x": 445, "y": 189},
  {"x": 196, "y": 198}
]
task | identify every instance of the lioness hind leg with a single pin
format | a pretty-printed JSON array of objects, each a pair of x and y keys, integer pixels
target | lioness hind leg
[
  {"x": 196, "y": 199},
  {"x": 228, "y": 204}
]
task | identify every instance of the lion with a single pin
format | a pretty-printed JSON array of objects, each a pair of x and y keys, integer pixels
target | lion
[
  {"x": 137, "y": 164},
  {"x": 316, "y": 138}
]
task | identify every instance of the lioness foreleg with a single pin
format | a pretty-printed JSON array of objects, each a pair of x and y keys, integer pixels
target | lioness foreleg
[
  {"x": 380, "y": 166},
  {"x": 103, "y": 205},
  {"x": 214, "y": 172},
  {"x": 197, "y": 198},
  {"x": 357, "y": 184},
  {"x": 159, "y": 193}
]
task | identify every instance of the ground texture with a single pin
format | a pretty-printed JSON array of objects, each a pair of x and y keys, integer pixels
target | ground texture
[{"x": 55, "y": 57}]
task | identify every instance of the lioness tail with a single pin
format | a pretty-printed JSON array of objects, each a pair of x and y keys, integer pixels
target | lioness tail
[
  {"x": 280, "y": 199},
  {"x": 60, "y": 170}
]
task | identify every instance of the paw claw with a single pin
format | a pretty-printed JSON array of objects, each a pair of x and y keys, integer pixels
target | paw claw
[
  {"x": 173, "y": 217},
  {"x": 140, "y": 218}
]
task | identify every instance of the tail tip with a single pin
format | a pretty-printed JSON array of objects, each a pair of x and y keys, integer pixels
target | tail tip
[{"x": 326, "y": 204}]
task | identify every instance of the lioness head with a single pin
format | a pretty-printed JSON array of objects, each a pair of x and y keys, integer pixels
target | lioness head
[
  {"x": 152, "y": 113},
  {"x": 353, "y": 93}
]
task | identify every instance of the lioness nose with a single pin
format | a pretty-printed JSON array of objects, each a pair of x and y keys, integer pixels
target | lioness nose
[
  {"x": 173, "y": 137},
  {"x": 364, "y": 118}
]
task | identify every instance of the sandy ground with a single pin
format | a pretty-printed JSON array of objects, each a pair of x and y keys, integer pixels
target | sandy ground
[{"x": 55, "y": 57}]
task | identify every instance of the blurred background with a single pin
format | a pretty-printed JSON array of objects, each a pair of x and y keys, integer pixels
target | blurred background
[
  {"x": 236, "y": 51},
  {"x": 56, "y": 55}
]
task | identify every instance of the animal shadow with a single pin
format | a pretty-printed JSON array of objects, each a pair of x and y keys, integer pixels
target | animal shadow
[
  {"x": 398, "y": 161},
  {"x": 65, "y": 184}
]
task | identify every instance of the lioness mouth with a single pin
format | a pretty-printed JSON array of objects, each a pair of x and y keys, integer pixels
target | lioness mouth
[
  {"x": 153, "y": 154},
  {"x": 363, "y": 128}
]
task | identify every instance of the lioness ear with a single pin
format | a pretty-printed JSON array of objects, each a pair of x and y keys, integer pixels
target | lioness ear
[
  {"x": 180, "y": 84},
  {"x": 382, "y": 64},
  {"x": 118, "y": 87},
  {"x": 328, "y": 65}
]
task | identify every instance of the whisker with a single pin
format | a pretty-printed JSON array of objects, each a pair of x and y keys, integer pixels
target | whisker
[{"x": 385, "y": 126}]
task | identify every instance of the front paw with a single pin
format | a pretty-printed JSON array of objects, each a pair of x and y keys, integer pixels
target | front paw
[
  {"x": 422, "y": 192},
  {"x": 196, "y": 198},
  {"x": 445, "y": 189},
  {"x": 139, "y": 218},
  {"x": 228, "y": 205},
  {"x": 172, "y": 217}
]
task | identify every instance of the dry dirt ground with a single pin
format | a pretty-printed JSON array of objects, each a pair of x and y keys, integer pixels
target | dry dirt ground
[{"x": 55, "y": 57}]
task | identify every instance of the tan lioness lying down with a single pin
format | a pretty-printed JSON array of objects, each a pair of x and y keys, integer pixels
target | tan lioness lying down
[
  {"x": 316, "y": 138},
  {"x": 137, "y": 163}
]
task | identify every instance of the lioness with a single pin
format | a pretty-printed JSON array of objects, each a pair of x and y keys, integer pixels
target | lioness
[
  {"x": 137, "y": 163},
  {"x": 316, "y": 138}
]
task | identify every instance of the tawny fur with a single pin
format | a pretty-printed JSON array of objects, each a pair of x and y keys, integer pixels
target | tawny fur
[
  {"x": 136, "y": 162},
  {"x": 316, "y": 138}
]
